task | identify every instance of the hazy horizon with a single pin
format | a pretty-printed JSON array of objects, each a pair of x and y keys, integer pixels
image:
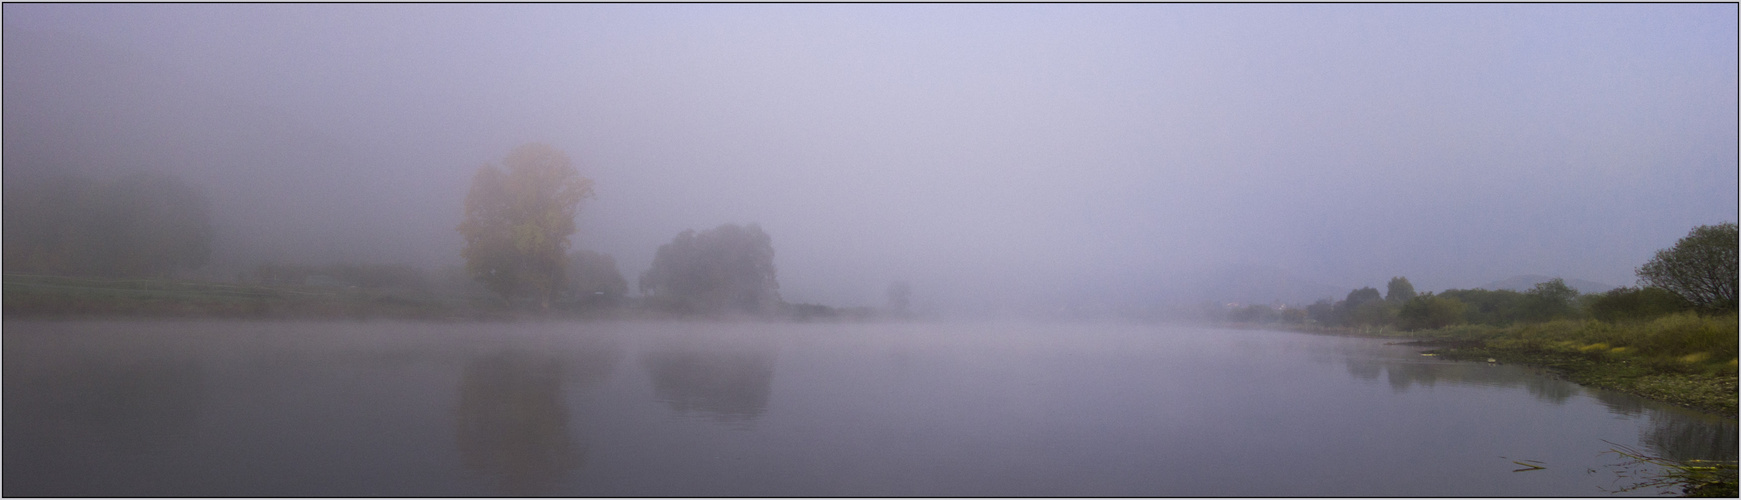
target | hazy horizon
[{"x": 994, "y": 156}]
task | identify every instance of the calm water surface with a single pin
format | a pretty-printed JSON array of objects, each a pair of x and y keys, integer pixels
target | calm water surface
[{"x": 215, "y": 408}]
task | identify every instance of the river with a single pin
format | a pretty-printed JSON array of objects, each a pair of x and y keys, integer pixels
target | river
[{"x": 230, "y": 408}]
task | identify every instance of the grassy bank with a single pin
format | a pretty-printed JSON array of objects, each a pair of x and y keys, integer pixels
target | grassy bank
[
  {"x": 1684, "y": 359},
  {"x": 56, "y": 296},
  {"x": 34, "y": 296}
]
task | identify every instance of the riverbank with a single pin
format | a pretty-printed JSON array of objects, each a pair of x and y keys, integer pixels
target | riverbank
[
  {"x": 53, "y": 297},
  {"x": 1684, "y": 359},
  {"x": 30, "y": 296}
]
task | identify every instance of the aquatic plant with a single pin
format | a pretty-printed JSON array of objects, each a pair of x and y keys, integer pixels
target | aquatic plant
[{"x": 1695, "y": 478}]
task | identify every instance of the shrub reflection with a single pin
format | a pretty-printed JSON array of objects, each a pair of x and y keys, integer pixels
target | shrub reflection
[{"x": 728, "y": 384}]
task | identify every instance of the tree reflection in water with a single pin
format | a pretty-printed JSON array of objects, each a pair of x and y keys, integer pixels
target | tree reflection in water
[
  {"x": 728, "y": 384},
  {"x": 1402, "y": 376},
  {"x": 1676, "y": 438},
  {"x": 512, "y": 422},
  {"x": 1681, "y": 439}
]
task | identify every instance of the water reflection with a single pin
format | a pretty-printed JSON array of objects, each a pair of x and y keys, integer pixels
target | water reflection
[
  {"x": 1401, "y": 376},
  {"x": 1679, "y": 436},
  {"x": 69, "y": 416},
  {"x": 121, "y": 405},
  {"x": 1683, "y": 439},
  {"x": 1364, "y": 369},
  {"x": 513, "y": 423},
  {"x": 727, "y": 383}
]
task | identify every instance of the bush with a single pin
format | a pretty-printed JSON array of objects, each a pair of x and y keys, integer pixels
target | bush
[
  {"x": 1636, "y": 304},
  {"x": 1429, "y": 311},
  {"x": 1686, "y": 333},
  {"x": 1488, "y": 307}
]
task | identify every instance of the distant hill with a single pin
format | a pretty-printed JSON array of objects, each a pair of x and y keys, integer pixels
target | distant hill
[{"x": 1524, "y": 282}]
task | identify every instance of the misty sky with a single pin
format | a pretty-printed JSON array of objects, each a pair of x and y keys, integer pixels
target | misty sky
[{"x": 989, "y": 154}]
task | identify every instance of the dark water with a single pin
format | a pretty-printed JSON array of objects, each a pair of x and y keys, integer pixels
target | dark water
[{"x": 212, "y": 408}]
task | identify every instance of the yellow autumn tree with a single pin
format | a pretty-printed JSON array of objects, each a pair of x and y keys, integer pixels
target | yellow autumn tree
[{"x": 518, "y": 219}]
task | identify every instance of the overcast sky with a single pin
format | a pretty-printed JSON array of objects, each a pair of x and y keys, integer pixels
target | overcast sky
[{"x": 986, "y": 153}]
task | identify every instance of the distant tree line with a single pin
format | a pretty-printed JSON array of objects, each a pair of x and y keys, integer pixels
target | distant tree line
[
  {"x": 145, "y": 224},
  {"x": 1698, "y": 274},
  {"x": 518, "y": 220}
]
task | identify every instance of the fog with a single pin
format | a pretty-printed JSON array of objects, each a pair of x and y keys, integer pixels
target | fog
[{"x": 996, "y": 157}]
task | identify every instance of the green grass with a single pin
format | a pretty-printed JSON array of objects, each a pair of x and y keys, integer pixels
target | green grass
[
  {"x": 1685, "y": 359},
  {"x": 59, "y": 296}
]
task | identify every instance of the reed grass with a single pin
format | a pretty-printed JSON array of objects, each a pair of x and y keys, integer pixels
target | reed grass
[{"x": 1694, "y": 478}]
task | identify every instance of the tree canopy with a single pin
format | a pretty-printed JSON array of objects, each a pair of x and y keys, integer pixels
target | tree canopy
[
  {"x": 1700, "y": 268},
  {"x": 1636, "y": 304},
  {"x": 1429, "y": 311},
  {"x": 1549, "y": 300},
  {"x": 1362, "y": 295},
  {"x": 728, "y": 268},
  {"x": 1399, "y": 290},
  {"x": 518, "y": 219}
]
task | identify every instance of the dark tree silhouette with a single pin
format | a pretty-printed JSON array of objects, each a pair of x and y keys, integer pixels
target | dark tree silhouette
[
  {"x": 1700, "y": 268},
  {"x": 593, "y": 277},
  {"x": 1399, "y": 290}
]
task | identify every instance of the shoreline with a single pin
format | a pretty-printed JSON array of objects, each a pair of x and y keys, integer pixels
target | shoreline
[
  {"x": 1656, "y": 380},
  {"x": 1665, "y": 381},
  {"x": 1711, "y": 394},
  {"x": 1563, "y": 348}
]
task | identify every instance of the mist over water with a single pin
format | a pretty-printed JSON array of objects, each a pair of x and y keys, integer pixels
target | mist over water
[
  {"x": 845, "y": 249},
  {"x": 1003, "y": 159},
  {"x": 231, "y": 408}
]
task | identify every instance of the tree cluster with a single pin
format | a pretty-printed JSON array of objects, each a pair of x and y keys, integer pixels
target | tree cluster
[
  {"x": 1698, "y": 273},
  {"x": 518, "y": 219},
  {"x": 1546, "y": 301},
  {"x": 139, "y": 225},
  {"x": 729, "y": 268}
]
